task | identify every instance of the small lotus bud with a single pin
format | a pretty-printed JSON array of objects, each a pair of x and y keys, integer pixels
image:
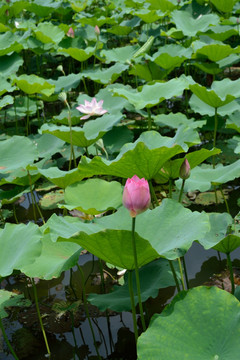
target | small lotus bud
[
  {"x": 136, "y": 195},
  {"x": 97, "y": 30},
  {"x": 70, "y": 33},
  {"x": 63, "y": 97},
  {"x": 184, "y": 172}
]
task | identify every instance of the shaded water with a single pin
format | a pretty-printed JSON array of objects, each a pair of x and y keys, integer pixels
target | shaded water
[{"x": 114, "y": 333}]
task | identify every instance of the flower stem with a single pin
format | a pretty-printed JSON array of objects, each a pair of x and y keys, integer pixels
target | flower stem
[
  {"x": 174, "y": 275},
  {"x": 149, "y": 119},
  {"x": 225, "y": 200},
  {"x": 39, "y": 316},
  {"x": 215, "y": 135},
  {"x": 229, "y": 262},
  {"x": 185, "y": 271},
  {"x": 130, "y": 287},
  {"x": 181, "y": 191},
  {"x": 154, "y": 196},
  {"x": 181, "y": 273},
  {"x": 72, "y": 155},
  {"x": 170, "y": 188},
  {"x": 86, "y": 310},
  {"x": 7, "y": 341},
  {"x": 137, "y": 274}
]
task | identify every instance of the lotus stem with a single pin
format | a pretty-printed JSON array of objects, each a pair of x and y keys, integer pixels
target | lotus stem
[
  {"x": 181, "y": 191},
  {"x": 137, "y": 273},
  {"x": 181, "y": 273},
  {"x": 149, "y": 119},
  {"x": 215, "y": 135},
  {"x": 154, "y": 196},
  {"x": 185, "y": 271},
  {"x": 170, "y": 188},
  {"x": 86, "y": 310},
  {"x": 131, "y": 293},
  {"x": 102, "y": 276},
  {"x": 34, "y": 201},
  {"x": 72, "y": 155},
  {"x": 229, "y": 262},
  {"x": 39, "y": 317},
  {"x": 225, "y": 200},
  {"x": 174, "y": 275},
  {"x": 7, "y": 341}
]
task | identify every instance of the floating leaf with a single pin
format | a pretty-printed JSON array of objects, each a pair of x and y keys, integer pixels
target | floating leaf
[
  {"x": 50, "y": 200},
  {"x": 119, "y": 300},
  {"x": 8, "y": 299},
  {"x": 207, "y": 314}
]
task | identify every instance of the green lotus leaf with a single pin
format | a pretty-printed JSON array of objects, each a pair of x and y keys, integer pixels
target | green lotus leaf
[
  {"x": 171, "y": 56},
  {"x": 233, "y": 122},
  {"x": 84, "y": 136},
  {"x": 114, "y": 139},
  {"x": 213, "y": 51},
  {"x": 6, "y": 100},
  {"x": 32, "y": 84},
  {"x": 9, "y": 43},
  {"x": 20, "y": 246},
  {"x": 191, "y": 26},
  {"x": 105, "y": 76},
  {"x": 148, "y": 16},
  {"x": 5, "y": 86},
  {"x": 10, "y": 64},
  {"x": 207, "y": 67},
  {"x": 119, "y": 300},
  {"x": 16, "y": 152},
  {"x": 171, "y": 168},
  {"x": 224, "y": 6},
  {"x": 8, "y": 299},
  {"x": 93, "y": 196},
  {"x": 202, "y": 178},
  {"x": 210, "y": 97},
  {"x": 10, "y": 196},
  {"x": 151, "y": 95},
  {"x": 54, "y": 259},
  {"x": 169, "y": 241},
  {"x": 230, "y": 60},
  {"x": 176, "y": 120},
  {"x": 84, "y": 18},
  {"x": 113, "y": 246},
  {"x": 164, "y": 5},
  {"x": 18, "y": 176},
  {"x": 143, "y": 158},
  {"x": 121, "y": 54},
  {"x": 78, "y": 54},
  {"x": 44, "y": 8},
  {"x": 219, "y": 224},
  {"x": 221, "y": 32},
  {"x": 48, "y": 33},
  {"x": 61, "y": 178},
  {"x": 207, "y": 314},
  {"x": 66, "y": 83},
  {"x": 46, "y": 144},
  {"x": 202, "y": 108},
  {"x": 230, "y": 240}
]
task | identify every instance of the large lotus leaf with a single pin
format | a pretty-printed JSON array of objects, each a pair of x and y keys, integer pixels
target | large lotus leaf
[
  {"x": 151, "y": 95},
  {"x": 106, "y": 76},
  {"x": 6, "y": 100},
  {"x": 93, "y": 196},
  {"x": 32, "y": 84},
  {"x": 231, "y": 239},
  {"x": 114, "y": 139},
  {"x": 44, "y": 8},
  {"x": 20, "y": 245},
  {"x": 157, "y": 227},
  {"x": 18, "y": 176},
  {"x": 86, "y": 135},
  {"x": 47, "y": 144},
  {"x": 48, "y": 33},
  {"x": 61, "y": 178},
  {"x": 172, "y": 167},
  {"x": 10, "y": 196},
  {"x": 210, "y": 97},
  {"x": 209, "y": 317},
  {"x": 54, "y": 259},
  {"x": 153, "y": 276},
  {"x": 66, "y": 83},
  {"x": 113, "y": 246},
  {"x": 202, "y": 178},
  {"x": 233, "y": 122},
  {"x": 191, "y": 26},
  {"x": 10, "y": 64},
  {"x": 164, "y": 5},
  {"x": 224, "y": 6},
  {"x": 147, "y": 15},
  {"x": 221, "y": 32},
  {"x": 202, "y": 108},
  {"x": 176, "y": 120},
  {"x": 120, "y": 54},
  {"x": 5, "y": 86},
  {"x": 219, "y": 224},
  {"x": 208, "y": 67},
  {"x": 143, "y": 158},
  {"x": 9, "y": 43},
  {"x": 16, "y": 152},
  {"x": 171, "y": 56},
  {"x": 8, "y": 298},
  {"x": 214, "y": 52},
  {"x": 78, "y": 54}
]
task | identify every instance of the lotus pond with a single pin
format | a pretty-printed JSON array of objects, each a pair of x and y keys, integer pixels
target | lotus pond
[{"x": 119, "y": 179}]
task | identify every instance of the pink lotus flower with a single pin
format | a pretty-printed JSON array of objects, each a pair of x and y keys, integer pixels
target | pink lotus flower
[
  {"x": 91, "y": 108},
  {"x": 97, "y": 30},
  {"x": 184, "y": 172},
  {"x": 136, "y": 195},
  {"x": 70, "y": 33}
]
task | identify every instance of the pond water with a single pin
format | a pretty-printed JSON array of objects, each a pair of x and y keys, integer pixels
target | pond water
[{"x": 113, "y": 331}]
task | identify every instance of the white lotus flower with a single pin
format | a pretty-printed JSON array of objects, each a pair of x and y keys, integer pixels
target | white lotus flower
[{"x": 91, "y": 108}]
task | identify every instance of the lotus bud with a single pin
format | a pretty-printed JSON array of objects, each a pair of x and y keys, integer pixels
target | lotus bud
[
  {"x": 136, "y": 195},
  {"x": 97, "y": 30},
  {"x": 63, "y": 97},
  {"x": 184, "y": 172},
  {"x": 70, "y": 33}
]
